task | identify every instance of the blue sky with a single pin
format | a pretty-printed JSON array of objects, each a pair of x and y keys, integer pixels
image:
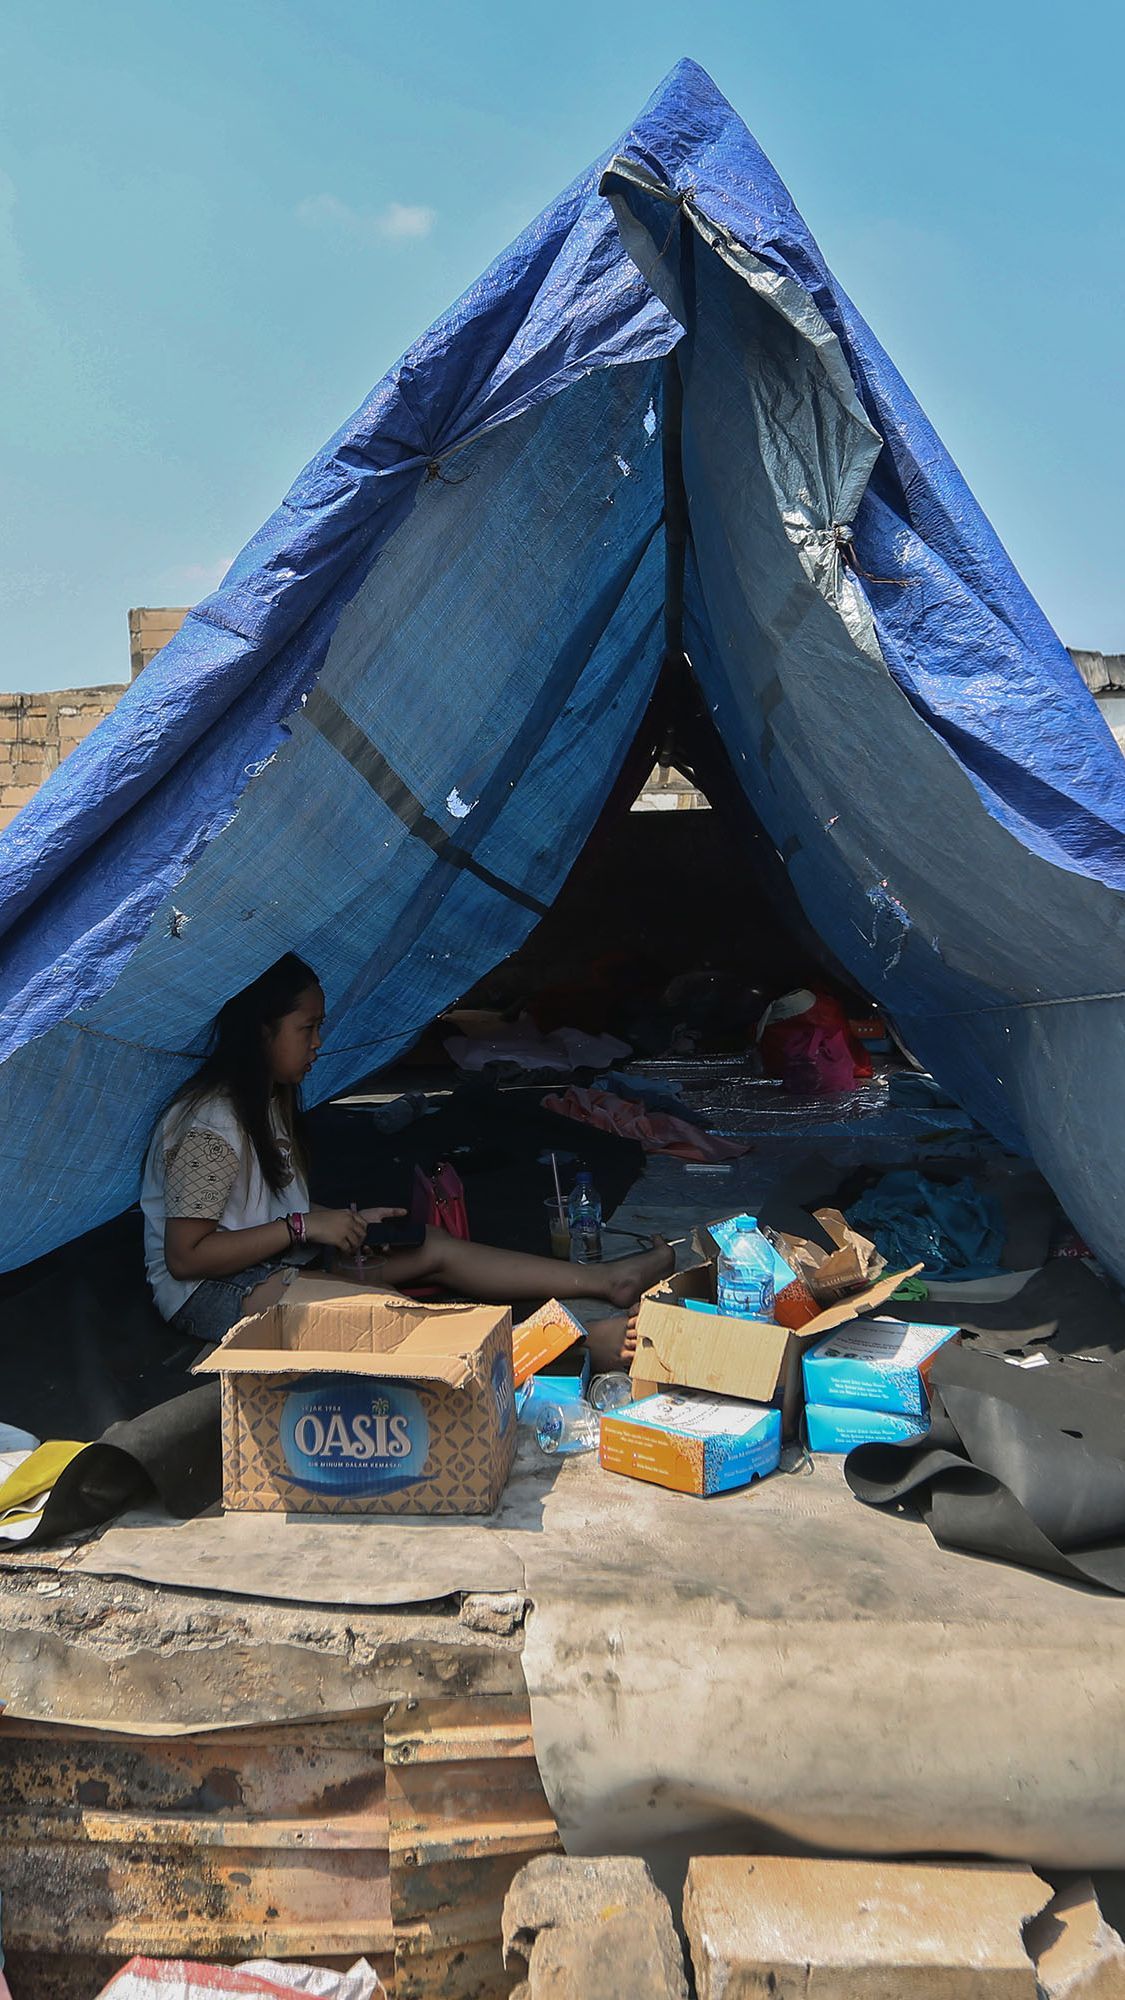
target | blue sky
[{"x": 221, "y": 223}]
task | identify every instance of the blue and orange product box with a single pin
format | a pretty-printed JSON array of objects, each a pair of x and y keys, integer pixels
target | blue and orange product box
[
  {"x": 541, "y": 1341},
  {"x": 830, "y": 1427},
  {"x": 875, "y": 1364},
  {"x": 692, "y": 1443}
]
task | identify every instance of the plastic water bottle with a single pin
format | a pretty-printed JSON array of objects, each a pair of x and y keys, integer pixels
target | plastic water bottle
[
  {"x": 610, "y": 1392},
  {"x": 746, "y": 1280},
  {"x": 584, "y": 1211},
  {"x": 562, "y": 1429}
]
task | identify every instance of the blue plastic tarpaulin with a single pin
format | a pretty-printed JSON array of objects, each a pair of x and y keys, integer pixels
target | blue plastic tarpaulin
[{"x": 384, "y": 739}]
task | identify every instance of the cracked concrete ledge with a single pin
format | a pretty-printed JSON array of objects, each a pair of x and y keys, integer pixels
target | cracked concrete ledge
[{"x": 136, "y": 1657}]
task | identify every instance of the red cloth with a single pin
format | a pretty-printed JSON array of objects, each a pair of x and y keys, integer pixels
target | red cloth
[
  {"x": 656, "y": 1131},
  {"x": 815, "y": 1050}
]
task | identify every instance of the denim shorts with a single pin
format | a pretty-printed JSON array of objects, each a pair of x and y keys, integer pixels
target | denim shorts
[{"x": 217, "y": 1304}]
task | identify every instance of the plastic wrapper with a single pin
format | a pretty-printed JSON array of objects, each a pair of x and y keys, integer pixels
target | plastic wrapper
[
  {"x": 829, "y": 1276},
  {"x": 189, "y": 1979}
]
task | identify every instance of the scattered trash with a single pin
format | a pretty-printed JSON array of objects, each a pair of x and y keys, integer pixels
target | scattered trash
[
  {"x": 828, "y": 1275},
  {"x": 609, "y": 1392}
]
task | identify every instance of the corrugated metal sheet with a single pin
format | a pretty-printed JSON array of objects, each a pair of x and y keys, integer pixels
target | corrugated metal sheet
[
  {"x": 1103, "y": 673},
  {"x": 465, "y": 1810},
  {"x": 246, "y": 1842},
  {"x": 288, "y": 1841}
]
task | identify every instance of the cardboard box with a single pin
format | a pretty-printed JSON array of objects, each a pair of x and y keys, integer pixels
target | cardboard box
[
  {"x": 754, "y": 1359},
  {"x": 344, "y": 1400},
  {"x": 876, "y": 1364},
  {"x": 691, "y": 1443},
  {"x": 832, "y": 1428},
  {"x": 542, "y": 1338},
  {"x": 830, "y": 1276}
]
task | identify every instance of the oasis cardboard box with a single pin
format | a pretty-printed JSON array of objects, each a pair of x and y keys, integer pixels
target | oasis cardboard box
[
  {"x": 692, "y": 1443},
  {"x": 876, "y": 1364},
  {"x": 751, "y": 1358},
  {"x": 343, "y": 1400}
]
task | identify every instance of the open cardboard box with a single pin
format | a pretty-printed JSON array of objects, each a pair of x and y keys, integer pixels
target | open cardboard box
[
  {"x": 751, "y": 1358},
  {"x": 344, "y": 1400}
]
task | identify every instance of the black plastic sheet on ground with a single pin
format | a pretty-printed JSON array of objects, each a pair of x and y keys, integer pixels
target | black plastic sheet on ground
[
  {"x": 171, "y": 1454},
  {"x": 1026, "y": 1465}
]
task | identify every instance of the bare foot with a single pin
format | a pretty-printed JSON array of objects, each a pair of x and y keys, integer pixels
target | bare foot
[
  {"x": 625, "y": 1278},
  {"x": 612, "y": 1343}
]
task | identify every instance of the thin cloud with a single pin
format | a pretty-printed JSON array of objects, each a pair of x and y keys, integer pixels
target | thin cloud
[
  {"x": 399, "y": 222},
  {"x": 402, "y": 222},
  {"x": 199, "y": 578}
]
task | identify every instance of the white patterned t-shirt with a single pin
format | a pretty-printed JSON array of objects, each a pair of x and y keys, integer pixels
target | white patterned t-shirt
[{"x": 201, "y": 1164}]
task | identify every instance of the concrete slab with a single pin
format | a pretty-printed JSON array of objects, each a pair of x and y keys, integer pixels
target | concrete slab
[
  {"x": 815, "y": 1675},
  {"x": 859, "y": 1930},
  {"x": 591, "y": 1930},
  {"x": 1078, "y": 1955}
]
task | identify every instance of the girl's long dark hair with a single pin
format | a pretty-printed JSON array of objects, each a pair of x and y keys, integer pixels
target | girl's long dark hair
[{"x": 238, "y": 1064}]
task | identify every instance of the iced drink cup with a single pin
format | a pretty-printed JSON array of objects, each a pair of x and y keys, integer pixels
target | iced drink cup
[{"x": 558, "y": 1228}]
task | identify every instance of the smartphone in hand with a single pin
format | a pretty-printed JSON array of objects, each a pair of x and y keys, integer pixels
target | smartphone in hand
[{"x": 397, "y": 1233}]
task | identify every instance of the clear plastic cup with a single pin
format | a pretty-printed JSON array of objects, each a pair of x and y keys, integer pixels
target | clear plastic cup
[{"x": 558, "y": 1229}]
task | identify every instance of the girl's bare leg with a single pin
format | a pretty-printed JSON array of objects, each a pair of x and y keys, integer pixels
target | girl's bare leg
[
  {"x": 479, "y": 1272},
  {"x": 267, "y": 1293}
]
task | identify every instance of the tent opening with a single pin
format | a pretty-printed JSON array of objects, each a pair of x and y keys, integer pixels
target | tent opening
[{"x": 673, "y": 930}]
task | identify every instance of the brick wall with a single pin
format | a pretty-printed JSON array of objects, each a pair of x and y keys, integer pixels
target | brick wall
[
  {"x": 149, "y": 630},
  {"x": 38, "y": 730}
]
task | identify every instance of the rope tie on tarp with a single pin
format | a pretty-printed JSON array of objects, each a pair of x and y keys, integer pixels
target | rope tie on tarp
[
  {"x": 842, "y": 537},
  {"x": 399, "y": 1039}
]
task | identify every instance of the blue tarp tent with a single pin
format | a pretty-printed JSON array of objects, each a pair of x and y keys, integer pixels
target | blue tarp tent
[{"x": 382, "y": 742}]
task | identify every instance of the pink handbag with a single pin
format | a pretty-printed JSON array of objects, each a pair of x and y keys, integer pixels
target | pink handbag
[{"x": 439, "y": 1201}]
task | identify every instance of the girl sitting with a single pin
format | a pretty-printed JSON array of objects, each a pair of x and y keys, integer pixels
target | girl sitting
[{"x": 226, "y": 1202}]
